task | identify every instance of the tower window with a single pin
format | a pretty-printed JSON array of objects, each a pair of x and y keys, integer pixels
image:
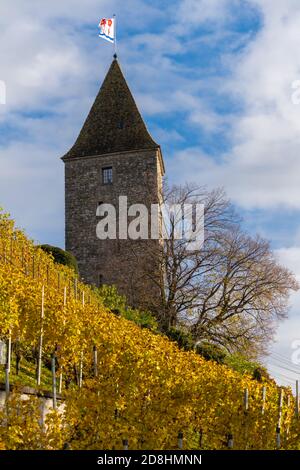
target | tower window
[
  {"x": 107, "y": 175},
  {"x": 100, "y": 280}
]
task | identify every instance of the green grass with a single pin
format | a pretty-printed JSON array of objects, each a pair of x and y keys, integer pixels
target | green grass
[{"x": 27, "y": 375}]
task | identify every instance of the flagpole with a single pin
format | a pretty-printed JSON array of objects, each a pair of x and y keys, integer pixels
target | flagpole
[{"x": 115, "y": 41}]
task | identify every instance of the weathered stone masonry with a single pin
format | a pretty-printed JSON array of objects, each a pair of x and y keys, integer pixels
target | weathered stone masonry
[{"x": 114, "y": 135}]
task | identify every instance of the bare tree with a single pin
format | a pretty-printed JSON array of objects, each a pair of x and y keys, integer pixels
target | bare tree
[{"x": 231, "y": 291}]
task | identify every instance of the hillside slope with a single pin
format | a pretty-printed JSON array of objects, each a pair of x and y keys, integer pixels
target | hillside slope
[{"x": 129, "y": 383}]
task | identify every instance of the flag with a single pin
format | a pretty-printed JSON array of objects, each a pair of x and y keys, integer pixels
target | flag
[{"x": 107, "y": 29}]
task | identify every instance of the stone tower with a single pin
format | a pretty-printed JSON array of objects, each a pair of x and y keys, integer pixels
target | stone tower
[{"x": 114, "y": 155}]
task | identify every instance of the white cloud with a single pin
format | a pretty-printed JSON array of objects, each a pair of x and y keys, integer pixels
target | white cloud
[
  {"x": 51, "y": 65},
  {"x": 290, "y": 257},
  {"x": 29, "y": 189},
  {"x": 261, "y": 168},
  {"x": 266, "y": 136},
  {"x": 166, "y": 137},
  {"x": 196, "y": 12},
  {"x": 47, "y": 64}
]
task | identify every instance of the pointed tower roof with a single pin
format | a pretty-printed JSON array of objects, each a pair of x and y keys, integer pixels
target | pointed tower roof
[{"x": 114, "y": 123}]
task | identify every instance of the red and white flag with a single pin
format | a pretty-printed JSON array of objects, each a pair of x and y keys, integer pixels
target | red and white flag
[{"x": 107, "y": 29}]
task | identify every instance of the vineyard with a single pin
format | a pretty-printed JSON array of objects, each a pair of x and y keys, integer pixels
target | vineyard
[{"x": 121, "y": 384}]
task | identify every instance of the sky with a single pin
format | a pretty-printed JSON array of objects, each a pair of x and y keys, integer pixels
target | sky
[{"x": 214, "y": 81}]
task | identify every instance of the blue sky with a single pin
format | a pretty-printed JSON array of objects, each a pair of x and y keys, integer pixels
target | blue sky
[{"x": 213, "y": 79}]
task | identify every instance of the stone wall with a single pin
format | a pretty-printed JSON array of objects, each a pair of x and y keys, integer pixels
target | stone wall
[
  {"x": 137, "y": 175},
  {"x": 26, "y": 392}
]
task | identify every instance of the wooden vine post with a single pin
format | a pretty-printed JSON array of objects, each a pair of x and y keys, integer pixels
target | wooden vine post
[
  {"x": 64, "y": 323},
  {"x": 278, "y": 429},
  {"x": 297, "y": 399},
  {"x": 180, "y": 440},
  {"x": 53, "y": 371},
  {"x": 40, "y": 351},
  {"x": 8, "y": 365},
  {"x": 246, "y": 410},
  {"x": 95, "y": 361},
  {"x": 81, "y": 356},
  {"x": 264, "y": 395}
]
